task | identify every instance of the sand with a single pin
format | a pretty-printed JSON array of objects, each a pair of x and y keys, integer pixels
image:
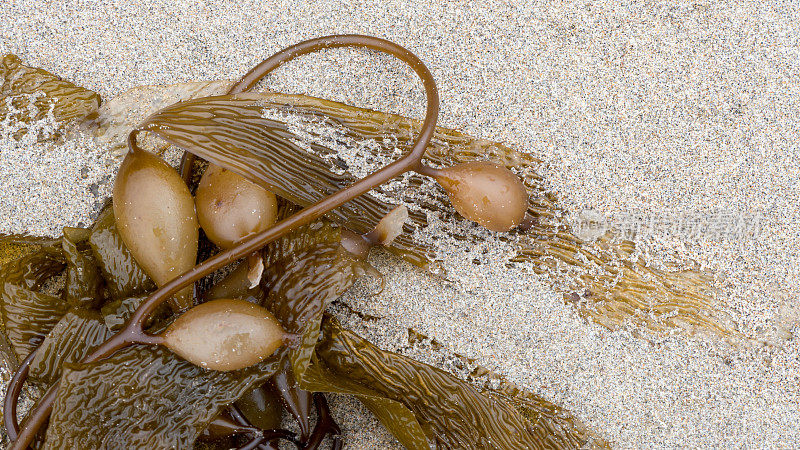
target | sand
[{"x": 652, "y": 112}]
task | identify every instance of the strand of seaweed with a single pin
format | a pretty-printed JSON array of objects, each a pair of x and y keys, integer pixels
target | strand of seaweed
[{"x": 553, "y": 424}]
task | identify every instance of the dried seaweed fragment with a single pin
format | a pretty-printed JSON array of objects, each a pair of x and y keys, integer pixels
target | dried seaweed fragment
[
  {"x": 303, "y": 148},
  {"x": 451, "y": 412},
  {"x": 143, "y": 397},
  {"x": 77, "y": 333},
  {"x": 29, "y": 94}
]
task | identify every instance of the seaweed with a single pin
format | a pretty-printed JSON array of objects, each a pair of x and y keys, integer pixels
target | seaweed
[
  {"x": 33, "y": 269},
  {"x": 306, "y": 270},
  {"x": 144, "y": 397},
  {"x": 29, "y": 94},
  {"x": 74, "y": 336},
  {"x": 84, "y": 284},
  {"x": 301, "y": 280},
  {"x": 124, "y": 277},
  {"x": 117, "y": 312},
  {"x": 28, "y": 316},
  {"x": 15, "y": 246},
  {"x": 441, "y": 403},
  {"x": 115, "y": 385}
]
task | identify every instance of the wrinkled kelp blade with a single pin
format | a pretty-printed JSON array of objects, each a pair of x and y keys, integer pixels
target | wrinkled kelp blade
[
  {"x": 551, "y": 425},
  {"x": 84, "y": 286},
  {"x": 33, "y": 269},
  {"x": 121, "y": 114},
  {"x": 34, "y": 92},
  {"x": 117, "y": 312},
  {"x": 307, "y": 270},
  {"x": 394, "y": 415},
  {"x": 15, "y": 246},
  {"x": 143, "y": 397},
  {"x": 453, "y": 412},
  {"x": 28, "y": 316},
  {"x": 304, "y": 148},
  {"x": 77, "y": 333},
  {"x": 25, "y": 261},
  {"x": 233, "y": 133},
  {"x": 124, "y": 277}
]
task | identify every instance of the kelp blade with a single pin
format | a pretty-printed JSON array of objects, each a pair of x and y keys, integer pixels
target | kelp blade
[
  {"x": 28, "y": 316},
  {"x": 124, "y": 277},
  {"x": 394, "y": 415},
  {"x": 77, "y": 333},
  {"x": 15, "y": 246},
  {"x": 306, "y": 271},
  {"x": 452, "y": 412},
  {"x": 550, "y": 423},
  {"x": 31, "y": 93},
  {"x": 32, "y": 269},
  {"x": 24, "y": 261},
  {"x": 143, "y": 397},
  {"x": 116, "y": 313},
  {"x": 304, "y": 148},
  {"x": 84, "y": 286}
]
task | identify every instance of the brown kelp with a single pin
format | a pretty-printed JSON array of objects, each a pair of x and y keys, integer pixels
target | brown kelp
[
  {"x": 125, "y": 372},
  {"x": 29, "y": 94}
]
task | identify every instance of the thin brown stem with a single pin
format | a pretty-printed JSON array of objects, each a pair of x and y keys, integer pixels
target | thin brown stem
[
  {"x": 187, "y": 166},
  {"x": 307, "y": 215},
  {"x": 12, "y": 395},
  {"x": 428, "y": 171}
]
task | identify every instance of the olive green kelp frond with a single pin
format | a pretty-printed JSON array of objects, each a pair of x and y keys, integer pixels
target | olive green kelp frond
[
  {"x": 304, "y": 148},
  {"x": 123, "y": 275},
  {"x": 35, "y": 266},
  {"x": 551, "y": 423},
  {"x": 28, "y": 94},
  {"x": 77, "y": 333},
  {"x": 144, "y": 397},
  {"x": 451, "y": 412},
  {"x": 28, "y": 316},
  {"x": 84, "y": 285},
  {"x": 306, "y": 272},
  {"x": 15, "y": 246}
]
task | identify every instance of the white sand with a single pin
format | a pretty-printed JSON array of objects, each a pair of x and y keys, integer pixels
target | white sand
[{"x": 670, "y": 109}]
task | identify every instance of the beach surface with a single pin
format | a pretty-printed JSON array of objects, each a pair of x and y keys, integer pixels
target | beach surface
[{"x": 673, "y": 124}]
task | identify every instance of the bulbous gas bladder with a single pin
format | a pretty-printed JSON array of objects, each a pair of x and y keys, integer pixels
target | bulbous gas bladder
[
  {"x": 231, "y": 208},
  {"x": 156, "y": 219},
  {"x": 485, "y": 192},
  {"x": 224, "y": 335}
]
